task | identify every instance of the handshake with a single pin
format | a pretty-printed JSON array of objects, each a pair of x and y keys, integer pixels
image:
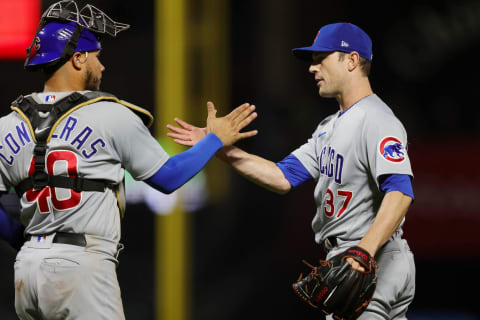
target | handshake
[{"x": 226, "y": 128}]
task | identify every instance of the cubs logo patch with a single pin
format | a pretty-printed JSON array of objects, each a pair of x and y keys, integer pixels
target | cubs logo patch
[{"x": 392, "y": 149}]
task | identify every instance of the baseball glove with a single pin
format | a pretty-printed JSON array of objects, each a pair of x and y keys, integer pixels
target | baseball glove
[{"x": 337, "y": 289}]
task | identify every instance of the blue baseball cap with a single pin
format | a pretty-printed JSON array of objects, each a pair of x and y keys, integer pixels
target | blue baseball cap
[
  {"x": 52, "y": 38},
  {"x": 345, "y": 37}
]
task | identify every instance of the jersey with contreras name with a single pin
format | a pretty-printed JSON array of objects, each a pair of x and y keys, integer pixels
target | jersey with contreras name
[
  {"x": 96, "y": 141},
  {"x": 346, "y": 155}
]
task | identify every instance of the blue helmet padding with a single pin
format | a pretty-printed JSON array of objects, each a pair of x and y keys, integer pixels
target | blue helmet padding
[{"x": 52, "y": 38}]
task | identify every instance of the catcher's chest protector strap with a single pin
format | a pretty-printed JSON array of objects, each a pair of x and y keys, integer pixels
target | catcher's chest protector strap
[{"x": 42, "y": 120}]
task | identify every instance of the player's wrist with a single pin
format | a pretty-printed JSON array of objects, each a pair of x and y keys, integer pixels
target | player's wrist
[
  {"x": 370, "y": 248},
  {"x": 214, "y": 139},
  {"x": 223, "y": 153}
]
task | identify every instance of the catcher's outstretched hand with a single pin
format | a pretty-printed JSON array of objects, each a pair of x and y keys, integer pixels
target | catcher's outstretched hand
[{"x": 226, "y": 128}]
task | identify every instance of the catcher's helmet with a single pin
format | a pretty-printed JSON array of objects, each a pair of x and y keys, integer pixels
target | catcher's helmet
[
  {"x": 52, "y": 39},
  {"x": 64, "y": 30}
]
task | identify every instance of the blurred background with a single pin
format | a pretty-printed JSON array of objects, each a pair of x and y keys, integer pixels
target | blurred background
[{"x": 234, "y": 249}]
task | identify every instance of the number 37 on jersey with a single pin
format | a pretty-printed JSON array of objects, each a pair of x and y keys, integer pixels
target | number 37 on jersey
[{"x": 331, "y": 197}]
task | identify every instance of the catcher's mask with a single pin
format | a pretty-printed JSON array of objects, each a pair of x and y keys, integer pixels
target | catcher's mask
[{"x": 64, "y": 30}]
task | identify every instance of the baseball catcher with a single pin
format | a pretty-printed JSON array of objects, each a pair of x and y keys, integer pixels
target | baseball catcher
[
  {"x": 66, "y": 152},
  {"x": 336, "y": 288}
]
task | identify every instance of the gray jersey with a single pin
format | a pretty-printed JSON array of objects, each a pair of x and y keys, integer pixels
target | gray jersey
[
  {"x": 346, "y": 154},
  {"x": 96, "y": 141}
]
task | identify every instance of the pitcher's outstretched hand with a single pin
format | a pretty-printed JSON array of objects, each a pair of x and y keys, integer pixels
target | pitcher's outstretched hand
[
  {"x": 226, "y": 128},
  {"x": 186, "y": 134}
]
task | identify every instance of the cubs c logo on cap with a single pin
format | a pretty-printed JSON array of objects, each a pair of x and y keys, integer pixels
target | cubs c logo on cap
[
  {"x": 392, "y": 149},
  {"x": 316, "y": 36},
  {"x": 37, "y": 43}
]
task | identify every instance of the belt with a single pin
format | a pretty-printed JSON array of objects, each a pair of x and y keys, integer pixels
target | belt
[
  {"x": 330, "y": 243},
  {"x": 76, "y": 239}
]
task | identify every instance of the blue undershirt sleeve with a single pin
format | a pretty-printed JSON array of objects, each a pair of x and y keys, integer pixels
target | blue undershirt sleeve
[
  {"x": 183, "y": 166},
  {"x": 11, "y": 230},
  {"x": 294, "y": 171},
  {"x": 396, "y": 182}
]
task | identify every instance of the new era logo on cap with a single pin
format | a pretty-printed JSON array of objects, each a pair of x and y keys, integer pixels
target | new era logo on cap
[{"x": 345, "y": 37}]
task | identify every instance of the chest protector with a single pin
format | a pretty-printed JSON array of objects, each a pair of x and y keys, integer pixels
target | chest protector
[{"x": 42, "y": 120}]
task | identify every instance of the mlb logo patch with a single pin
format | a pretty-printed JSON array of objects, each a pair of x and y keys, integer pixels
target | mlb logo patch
[
  {"x": 392, "y": 149},
  {"x": 50, "y": 98}
]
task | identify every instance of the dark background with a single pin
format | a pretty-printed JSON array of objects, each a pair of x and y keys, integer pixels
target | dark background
[{"x": 247, "y": 248}]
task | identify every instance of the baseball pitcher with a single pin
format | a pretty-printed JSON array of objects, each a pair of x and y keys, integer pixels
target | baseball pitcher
[{"x": 359, "y": 161}]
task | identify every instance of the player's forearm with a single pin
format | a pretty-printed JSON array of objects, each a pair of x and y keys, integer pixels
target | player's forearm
[
  {"x": 183, "y": 166},
  {"x": 391, "y": 213},
  {"x": 261, "y": 171}
]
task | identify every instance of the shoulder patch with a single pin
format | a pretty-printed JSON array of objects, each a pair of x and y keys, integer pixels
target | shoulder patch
[{"x": 392, "y": 149}]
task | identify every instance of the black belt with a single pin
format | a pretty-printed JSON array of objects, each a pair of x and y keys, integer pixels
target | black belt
[
  {"x": 76, "y": 239},
  {"x": 330, "y": 243}
]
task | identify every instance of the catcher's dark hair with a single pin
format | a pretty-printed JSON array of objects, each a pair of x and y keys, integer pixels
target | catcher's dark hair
[{"x": 51, "y": 68}]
